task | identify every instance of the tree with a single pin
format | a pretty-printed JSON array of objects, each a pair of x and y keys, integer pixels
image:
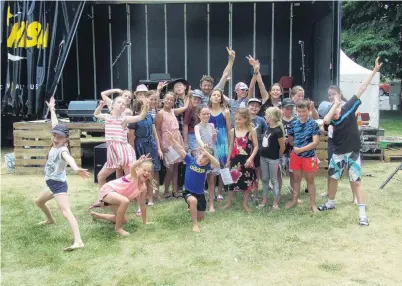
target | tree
[{"x": 371, "y": 29}]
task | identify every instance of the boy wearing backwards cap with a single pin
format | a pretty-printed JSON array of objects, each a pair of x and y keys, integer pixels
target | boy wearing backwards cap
[{"x": 346, "y": 141}]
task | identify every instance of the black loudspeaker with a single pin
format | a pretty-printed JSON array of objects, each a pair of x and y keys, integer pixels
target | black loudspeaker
[
  {"x": 100, "y": 158},
  {"x": 79, "y": 111}
]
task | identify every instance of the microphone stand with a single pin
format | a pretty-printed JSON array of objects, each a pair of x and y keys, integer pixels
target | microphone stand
[
  {"x": 301, "y": 43},
  {"x": 126, "y": 44}
]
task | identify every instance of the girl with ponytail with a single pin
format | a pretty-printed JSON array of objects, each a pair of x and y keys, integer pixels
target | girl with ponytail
[{"x": 273, "y": 146}]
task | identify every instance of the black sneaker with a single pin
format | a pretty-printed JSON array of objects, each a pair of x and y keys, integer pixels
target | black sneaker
[
  {"x": 306, "y": 191},
  {"x": 325, "y": 208},
  {"x": 363, "y": 221}
]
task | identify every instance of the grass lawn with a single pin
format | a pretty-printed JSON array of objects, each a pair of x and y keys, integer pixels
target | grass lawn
[
  {"x": 285, "y": 247},
  {"x": 391, "y": 121}
]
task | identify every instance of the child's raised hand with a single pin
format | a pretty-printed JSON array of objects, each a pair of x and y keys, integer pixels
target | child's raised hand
[
  {"x": 251, "y": 60},
  {"x": 102, "y": 103},
  {"x": 378, "y": 65},
  {"x": 51, "y": 103},
  {"x": 231, "y": 53},
  {"x": 83, "y": 173},
  {"x": 161, "y": 85}
]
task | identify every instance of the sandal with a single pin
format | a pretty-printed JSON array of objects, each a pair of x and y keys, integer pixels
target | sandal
[
  {"x": 220, "y": 198},
  {"x": 138, "y": 213},
  {"x": 167, "y": 196},
  {"x": 177, "y": 195}
]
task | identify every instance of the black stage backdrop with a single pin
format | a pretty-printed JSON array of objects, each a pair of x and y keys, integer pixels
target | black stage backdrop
[{"x": 36, "y": 38}]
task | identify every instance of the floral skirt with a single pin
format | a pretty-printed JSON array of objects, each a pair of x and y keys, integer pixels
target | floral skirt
[{"x": 244, "y": 179}]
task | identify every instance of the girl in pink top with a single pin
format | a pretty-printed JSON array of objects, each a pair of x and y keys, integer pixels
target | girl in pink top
[
  {"x": 119, "y": 193},
  {"x": 166, "y": 122},
  {"x": 120, "y": 154}
]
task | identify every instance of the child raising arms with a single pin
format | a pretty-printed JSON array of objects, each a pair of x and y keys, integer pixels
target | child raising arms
[
  {"x": 56, "y": 180},
  {"x": 119, "y": 152},
  {"x": 243, "y": 147},
  {"x": 194, "y": 180},
  {"x": 120, "y": 192}
]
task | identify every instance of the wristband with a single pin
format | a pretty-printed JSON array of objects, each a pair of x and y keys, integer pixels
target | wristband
[{"x": 256, "y": 73}]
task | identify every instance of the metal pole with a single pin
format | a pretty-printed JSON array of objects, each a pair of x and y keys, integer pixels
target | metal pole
[
  {"x": 272, "y": 43},
  {"x": 208, "y": 43},
  {"x": 146, "y": 42},
  {"x": 110, "y": 46},
  {"x": 62, "y": 88},
  {"x": 185, "y": 41},
  {"x": 290, "y": 39},
  {"x": 254, "y": 29},
  {"x": 166, "y": 47},
  {"x": 93, "y": 49},
  {"x": 230, "y": 45},
  {"x": 129, "y": 70},
  {"x": 78, "y": 65}
]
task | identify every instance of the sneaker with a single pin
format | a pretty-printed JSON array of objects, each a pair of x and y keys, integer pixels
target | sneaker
[
  {"x": 324, "y": 207},
  {"x": 220, "y": 198},
  {"x": 363, "y": 221},
  {"x": 306, "y": 191}
]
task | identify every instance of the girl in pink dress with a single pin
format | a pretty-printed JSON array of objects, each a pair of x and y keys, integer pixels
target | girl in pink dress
[
  {"x": 120, "y": 154},
  {"x": 119, "y": 193},
  {"x": 166, "y": 122}
]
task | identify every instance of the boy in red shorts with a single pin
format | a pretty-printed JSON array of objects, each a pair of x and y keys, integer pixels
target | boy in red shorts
[{"x": 303, "y": 134}]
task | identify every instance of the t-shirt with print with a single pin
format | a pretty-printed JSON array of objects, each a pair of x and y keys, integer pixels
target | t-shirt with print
[
  {"x": 270, "y": 145},
  {"x": 260, "y": 126},
  {"x": 194, "y": 180},
  {"x": 190, "y": 118},
  {"x": 235, "y": 105},
  {"x": 286, "y": 126},
  {"x": 302, "y": 134},
  {"x": 55, "y": 168},
  {"x": 346, "y": 135}
]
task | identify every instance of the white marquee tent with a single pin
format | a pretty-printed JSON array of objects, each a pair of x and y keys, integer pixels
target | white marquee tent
[{"x": 351, "y": 76}]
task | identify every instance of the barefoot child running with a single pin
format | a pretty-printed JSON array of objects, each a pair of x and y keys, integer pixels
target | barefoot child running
[
  {"x": 119, "y": 193},
  {"x": 243, "y": 147},
  {"x": 55, "y": 176},
  {"x": 119, "y": 152},
  {"x": 194, "y": 180},
  {"x": 303, "y": 134},
  {"x": 346, "y": 142},
  {"x": 205, "y": 135}
]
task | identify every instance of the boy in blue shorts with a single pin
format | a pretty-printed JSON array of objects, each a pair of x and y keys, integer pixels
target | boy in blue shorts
[
  {"x": 303, "y": 134},
  {"x": 194, "y": 180},
  {"x": 346, "y": 142}
]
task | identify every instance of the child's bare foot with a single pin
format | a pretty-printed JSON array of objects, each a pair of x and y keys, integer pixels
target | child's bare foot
[
  {"x": 212, "y": 210},
  {"x": 291, "y": 204},
  {"x": 196, "y": 228},
  {"x": 48, "y": 221},
  {"x": 275, "y": 207},
  {"x": 314, "y": 209},
  {"x": 122, "y": 232},
  {"x": 247, "y": 209},
  {"x": 324, "y": 195},
  {"x": 94, "y": 215},
  {"x": 299, "y": 201},
  {"x": 76, "y": 245}
]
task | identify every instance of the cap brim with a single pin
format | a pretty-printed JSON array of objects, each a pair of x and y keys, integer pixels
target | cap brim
[
  {"x": 58, "y": 132},
  {"x": 287, "y": 105}
]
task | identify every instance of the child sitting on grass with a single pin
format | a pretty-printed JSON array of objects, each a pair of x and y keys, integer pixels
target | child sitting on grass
[
  {"x": 118, "y": 193},
  {"x": 194, "y": 180}
]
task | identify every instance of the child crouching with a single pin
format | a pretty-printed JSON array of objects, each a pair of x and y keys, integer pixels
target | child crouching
[
  {"x": 194, "y": 180},
  {"x": 119, "y": 193}
]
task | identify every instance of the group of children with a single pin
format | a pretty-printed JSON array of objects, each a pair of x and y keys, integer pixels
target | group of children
[{"x": 210, "y": 133}]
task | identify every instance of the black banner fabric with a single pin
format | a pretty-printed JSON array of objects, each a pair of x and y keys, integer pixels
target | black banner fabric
[{"x": 36, "y": 42}]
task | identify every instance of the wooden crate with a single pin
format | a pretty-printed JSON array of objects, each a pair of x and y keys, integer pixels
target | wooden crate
[
  {"x": 32, "y": 143},
  {"x": 392, "y": 147},
  {"x": 393, "y": 155},
  {"x": 322, "y": 152}
]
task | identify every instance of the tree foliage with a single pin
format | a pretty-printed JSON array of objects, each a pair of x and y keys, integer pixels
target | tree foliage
[{"x": 371, "y": 29}]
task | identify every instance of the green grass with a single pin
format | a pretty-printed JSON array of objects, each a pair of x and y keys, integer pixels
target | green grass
[
  {"x": 391, "y": 121},
  {"x": 285, "y": 247}
]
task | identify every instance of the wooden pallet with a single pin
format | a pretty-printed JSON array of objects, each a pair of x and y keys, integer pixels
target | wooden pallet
[
  {"x": 394, "y": 154},
  {"x": 32, "y": 143}
]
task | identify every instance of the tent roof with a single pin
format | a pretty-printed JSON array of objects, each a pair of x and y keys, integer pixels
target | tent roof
[{"x": 348, "y": 66}]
